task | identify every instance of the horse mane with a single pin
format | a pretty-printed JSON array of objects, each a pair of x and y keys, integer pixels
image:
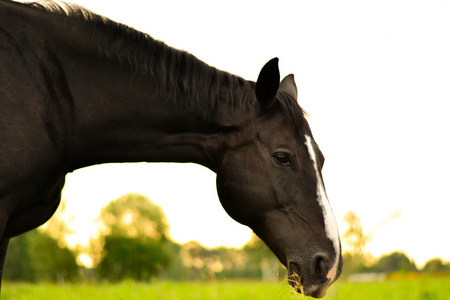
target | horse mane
[{"x": 177, "y": 72}]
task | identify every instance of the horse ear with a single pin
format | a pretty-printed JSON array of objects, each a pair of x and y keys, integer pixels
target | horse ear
[
  {"x": 288, "y": 86},
  {"x": 266, "y": 87}
]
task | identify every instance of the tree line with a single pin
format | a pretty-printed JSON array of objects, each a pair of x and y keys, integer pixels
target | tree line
[
  {"x": 134, "y": 244},
  {"x": 357, "y": 259}
]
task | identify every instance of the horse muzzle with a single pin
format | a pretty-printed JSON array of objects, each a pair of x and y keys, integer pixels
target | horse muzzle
[{"x": 310, "y": 280}]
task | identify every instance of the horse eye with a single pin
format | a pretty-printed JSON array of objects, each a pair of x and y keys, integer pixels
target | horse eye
[{"x": 282, "y": 158}]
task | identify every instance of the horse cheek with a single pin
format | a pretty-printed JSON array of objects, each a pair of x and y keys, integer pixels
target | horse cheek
[
  {"x": 236, "y": 191},
  {"x": 229, "y": 195}
]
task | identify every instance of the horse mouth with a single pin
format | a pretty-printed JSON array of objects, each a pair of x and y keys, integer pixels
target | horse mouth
[
  {"x": 300, "y": 285},
  {"x": 294, "y": 278}
]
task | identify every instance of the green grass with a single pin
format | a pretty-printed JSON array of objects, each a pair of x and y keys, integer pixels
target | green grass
[
  {"x": 398, "y": 289},
  {"x": 160, "y": 290}
]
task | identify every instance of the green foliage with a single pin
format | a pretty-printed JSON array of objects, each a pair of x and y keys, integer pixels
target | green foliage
[
  {"x": 135, "y": 245},
  {"x": 254, "y": 261},
  {"x": 138, "y": 259},
  {"x": 202, "y": 263},
  {"x": 134, "y": 215},
  {"x": 35, "y": 256},
  {"x": 354, "y": 237},
  {"x": 261, "y": 262},
  {"x": 134, "y": 239},
  {"x": 354, "y": 264},
  {"x": 18, "y": 261},
  {"x": 358, "y": 260},
  {"x": 436, "y": 265},
  {"x": 356, "y": 257},
  {"x": 388, "y": 263},
  {"x": 58, "y": 225},
  {"x": 394, "y": 262}
]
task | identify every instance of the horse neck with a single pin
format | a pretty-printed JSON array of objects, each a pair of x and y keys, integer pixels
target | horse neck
[
  {"x": 115, "y": 102},
  {"x": 120, "y": 113}
]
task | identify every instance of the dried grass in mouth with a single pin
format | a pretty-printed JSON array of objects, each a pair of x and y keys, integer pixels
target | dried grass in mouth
[{"x": 295, "y": 280}]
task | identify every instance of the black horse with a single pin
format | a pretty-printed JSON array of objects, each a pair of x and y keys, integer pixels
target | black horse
[{"x": 77, "y": 89}]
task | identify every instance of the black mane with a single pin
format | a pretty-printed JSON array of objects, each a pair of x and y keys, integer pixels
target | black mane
[{"x": 176, "y": 71}]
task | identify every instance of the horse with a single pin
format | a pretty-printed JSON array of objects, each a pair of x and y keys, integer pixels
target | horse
[{"x": 78, "y": 89}]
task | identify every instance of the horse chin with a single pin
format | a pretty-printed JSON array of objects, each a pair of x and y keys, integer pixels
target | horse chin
[{"x": 301, "y": 286}]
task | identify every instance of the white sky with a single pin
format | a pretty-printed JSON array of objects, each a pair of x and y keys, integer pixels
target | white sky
[{"x": 373, "y": 75}]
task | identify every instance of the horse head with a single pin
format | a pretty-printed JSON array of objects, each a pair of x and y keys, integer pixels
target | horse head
[{"x": 270, "y": 180}]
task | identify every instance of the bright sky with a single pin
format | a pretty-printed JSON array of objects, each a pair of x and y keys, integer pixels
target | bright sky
[{"x": 373, "y": 75}]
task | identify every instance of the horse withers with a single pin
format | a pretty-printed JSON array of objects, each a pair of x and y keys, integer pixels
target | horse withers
[{"x": 78, "y": 89}]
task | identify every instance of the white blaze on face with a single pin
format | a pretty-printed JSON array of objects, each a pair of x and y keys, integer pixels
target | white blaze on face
[{"x": 330, "y": 222}]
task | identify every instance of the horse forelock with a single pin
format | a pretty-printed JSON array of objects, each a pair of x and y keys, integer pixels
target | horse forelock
[{"x": 293, "y": 114}]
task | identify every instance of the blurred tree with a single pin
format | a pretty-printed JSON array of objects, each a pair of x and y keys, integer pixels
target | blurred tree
[
  {"x": 354, "y": 237},
  {"x": 196, "y": 262},
  {"x": 176, "y": 270},
  {"x": 436, "y": 265},
  {"x": 354, "y": 264},
  {"x": 232, "y": 262},
  {"x": 194, "y": 257},
  {"x": 35, "y": 256},
  {"x": 394, "y": 262},
  {"x": 204, "y": 263},
  {"x": 18, "y": 262},
  {"x": 356, "y": 256},
  {"x": 133, "y": 258},
  {"x": 50, "y": 261},
  {"x": 134, "y": 216},
  {"x": 58, "y": 226},
  {"x": 134, "y": 235},
  {"x": 261, "y": 262}
]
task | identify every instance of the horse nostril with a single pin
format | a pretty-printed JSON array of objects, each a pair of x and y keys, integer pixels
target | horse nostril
[{"x": 320, "y": 266}]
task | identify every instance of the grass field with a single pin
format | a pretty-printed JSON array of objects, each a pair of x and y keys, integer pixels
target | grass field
[{"x": 398, "y": 289}]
